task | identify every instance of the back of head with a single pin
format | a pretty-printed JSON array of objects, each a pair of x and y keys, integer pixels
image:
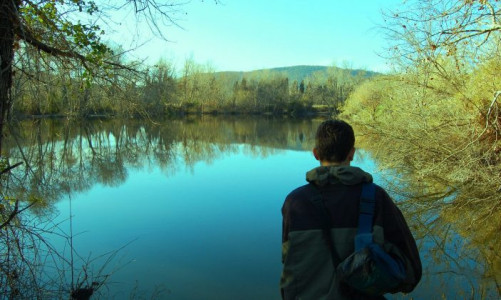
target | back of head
[{"x": 334, "y": 140}]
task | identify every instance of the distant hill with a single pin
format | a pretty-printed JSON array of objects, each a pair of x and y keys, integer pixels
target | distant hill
[{"x": 297, "y": 73}]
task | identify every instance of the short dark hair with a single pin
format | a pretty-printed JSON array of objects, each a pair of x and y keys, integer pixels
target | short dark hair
[{"x": 334, "y": 140}]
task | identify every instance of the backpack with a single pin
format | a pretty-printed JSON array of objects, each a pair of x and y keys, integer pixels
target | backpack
[{"x": 369, "y": 270}]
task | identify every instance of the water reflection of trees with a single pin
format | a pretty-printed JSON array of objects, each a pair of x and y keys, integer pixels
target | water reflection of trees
[
  {"x": 62, "y": 156},
  {"x": 457, "y": 258},
  {"x": 458, "y": 240},
  {"x": 480, "y": 225}
]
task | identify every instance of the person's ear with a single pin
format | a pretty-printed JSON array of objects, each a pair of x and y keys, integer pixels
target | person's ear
[
  {"x": 351, "y": 154},
  {"x": 315, "y": 154}
]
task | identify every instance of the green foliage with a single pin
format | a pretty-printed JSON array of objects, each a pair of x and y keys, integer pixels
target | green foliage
[{"x": 58, "y": 29}]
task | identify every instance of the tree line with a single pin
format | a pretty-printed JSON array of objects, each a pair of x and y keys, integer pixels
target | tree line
[{"x": 161, "y": 90}]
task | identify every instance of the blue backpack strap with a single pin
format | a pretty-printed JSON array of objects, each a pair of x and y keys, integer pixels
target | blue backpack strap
[{"x": 366, "y": 216}]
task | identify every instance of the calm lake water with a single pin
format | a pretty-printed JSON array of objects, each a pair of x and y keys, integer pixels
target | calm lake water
[{"x": 190, "y": 209}]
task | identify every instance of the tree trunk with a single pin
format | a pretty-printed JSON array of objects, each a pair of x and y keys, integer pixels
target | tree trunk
[{"x": 7, "y": 7}]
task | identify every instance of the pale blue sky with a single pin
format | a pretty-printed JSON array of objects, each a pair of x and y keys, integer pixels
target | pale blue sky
[{"x": 243, "y": 35}]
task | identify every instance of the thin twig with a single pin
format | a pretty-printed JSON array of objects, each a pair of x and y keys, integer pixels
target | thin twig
[{"x": 10, "y": 168}]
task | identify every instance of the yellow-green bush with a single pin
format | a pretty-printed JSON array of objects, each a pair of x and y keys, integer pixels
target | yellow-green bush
[{"x": 424, "y": 128}]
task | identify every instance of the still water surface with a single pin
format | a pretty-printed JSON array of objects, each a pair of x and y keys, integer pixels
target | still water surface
[{"x": 193, "y": 208}]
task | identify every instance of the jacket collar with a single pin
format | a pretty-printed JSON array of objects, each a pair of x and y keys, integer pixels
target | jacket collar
[{"x": 347, "y": 175}]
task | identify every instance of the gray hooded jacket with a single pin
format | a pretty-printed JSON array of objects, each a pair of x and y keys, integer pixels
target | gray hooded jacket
[{"x": 308, "y": 265}]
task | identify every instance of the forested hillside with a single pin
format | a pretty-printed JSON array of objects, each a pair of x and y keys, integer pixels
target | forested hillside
[{"x": 294, "y": 73}]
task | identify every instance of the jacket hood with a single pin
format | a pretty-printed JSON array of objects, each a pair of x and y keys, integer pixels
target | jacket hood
[{"x": 346, "y": 175}]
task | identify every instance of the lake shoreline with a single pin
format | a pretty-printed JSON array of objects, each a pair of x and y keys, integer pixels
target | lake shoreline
[{"x": 316, "y": 111}]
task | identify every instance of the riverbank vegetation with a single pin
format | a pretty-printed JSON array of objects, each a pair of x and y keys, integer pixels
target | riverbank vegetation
[
  {"x": 441, "y": 107},
  {"x": 436, "y": 119},
  {"x": 161, "y": 90}
]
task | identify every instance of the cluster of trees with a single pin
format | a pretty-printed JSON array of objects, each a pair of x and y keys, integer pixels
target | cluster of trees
[
  {"x": 61, "y": 66},
  {"x": 42, "y": 90},
  {"x": 441, "y": 105},
  {"x": 162, "y": 90},
  {"x": 323, "y": 91},
  {"x": 437, "y": 118}
]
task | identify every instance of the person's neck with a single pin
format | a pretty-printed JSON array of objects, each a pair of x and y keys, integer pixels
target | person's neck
[{"x": 334, "y": 164}]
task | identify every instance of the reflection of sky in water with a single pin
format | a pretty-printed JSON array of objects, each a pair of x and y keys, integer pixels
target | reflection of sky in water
[{"x": 210, "y": 231}]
